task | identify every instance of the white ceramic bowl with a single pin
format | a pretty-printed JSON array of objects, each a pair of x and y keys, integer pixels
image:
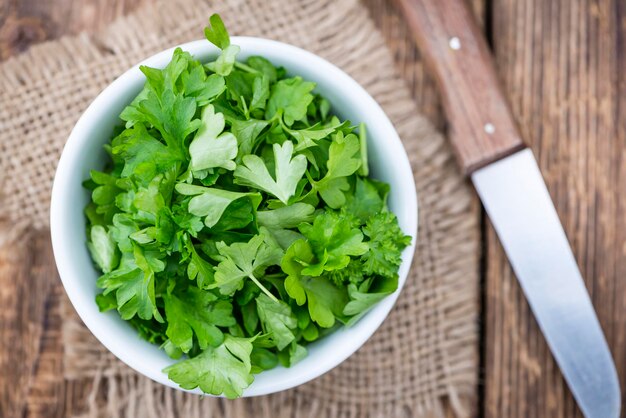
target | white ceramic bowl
[{"x": 84, "y": 151}]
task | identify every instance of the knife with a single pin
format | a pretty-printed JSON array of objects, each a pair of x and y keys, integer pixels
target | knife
[{"x": 505, "y": 174}]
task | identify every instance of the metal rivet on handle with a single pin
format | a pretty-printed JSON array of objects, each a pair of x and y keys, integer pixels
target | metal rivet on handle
[
  {"x": 455, "y": 43},
  {"x": 489, "y": 128}
]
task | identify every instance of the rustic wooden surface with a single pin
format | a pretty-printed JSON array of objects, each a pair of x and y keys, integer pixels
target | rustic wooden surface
[{"x": 563, "y": 65}]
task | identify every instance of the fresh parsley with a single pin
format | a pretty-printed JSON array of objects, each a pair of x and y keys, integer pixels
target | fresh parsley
[{"x": 236, "y": 222}]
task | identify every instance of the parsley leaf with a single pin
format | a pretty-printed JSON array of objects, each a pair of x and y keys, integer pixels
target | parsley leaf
[
  {"x": 133, "y": 283},
  {"x": 351, "y": 274},
  {"x": 364, "y": 170},
  {"x": 196, "y": 312},
  {"x": 260, "y": 93},
  {"x": 225, "y": 63},
  {"x": 291, "y": 96},
  {"x": 309, "y": 137},
  {"x": 247, "y": 132},
  {"x": 264, "y": 67},
  {"x": 280, "y": 222},
  {"x": 368, "y": 199},
  {"x": 292, "y": 355},
  {"x": 172, "y": 114},
  {"x": 217, "y": 370},
  {"x": 204, "y": 88},
  {"x": 277, "y": 320},
  {"x": 386, "y": 242},
  {"x": 363, "y": 298},
  {"x": 216, "y": 32},
  {"x": 324, "y": 300},
  {"x": 343, "y": 161},
  {"x": 246, "y": 260},
  {"x": 333, "y": 239},
  {"x": 211, "y": 203},
  {"x": 289, "y": 171},
  {"x": 198, "y": 269},
  {"x": 210, "y": 147},
  {"x": 143, "y": 154},
  {"x": 103, "y": 249}
]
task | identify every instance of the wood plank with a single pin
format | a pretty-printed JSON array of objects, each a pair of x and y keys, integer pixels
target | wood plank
[
  {"x": 563, "y": 63},
  {"x": 390, "y": 21},
  {"x": 47, "y": 391},
  {"x": 27, "y": 275}
]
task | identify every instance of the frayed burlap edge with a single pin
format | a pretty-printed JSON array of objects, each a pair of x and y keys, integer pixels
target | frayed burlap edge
[{"x": 426, "y": 351}]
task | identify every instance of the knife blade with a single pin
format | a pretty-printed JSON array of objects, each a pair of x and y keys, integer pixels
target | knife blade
[
  {"x": 517, "y": 201},
  {"x": 490, "y": 150}
]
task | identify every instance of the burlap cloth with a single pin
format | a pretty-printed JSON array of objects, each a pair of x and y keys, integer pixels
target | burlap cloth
[{"x": 426, "y": 351}]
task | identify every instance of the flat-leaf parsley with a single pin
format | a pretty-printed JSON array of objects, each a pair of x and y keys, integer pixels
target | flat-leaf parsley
[{"x": 235, "y": 222}]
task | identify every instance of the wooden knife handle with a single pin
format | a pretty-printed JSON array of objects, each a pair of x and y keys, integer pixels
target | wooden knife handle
[{"x": 483, "y": 129}]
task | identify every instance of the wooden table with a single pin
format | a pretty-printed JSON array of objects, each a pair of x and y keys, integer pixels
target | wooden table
[{"x": 563, "y": 65}]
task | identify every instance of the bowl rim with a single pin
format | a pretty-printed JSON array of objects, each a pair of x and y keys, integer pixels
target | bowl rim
[{"x": 77, "y": 140}]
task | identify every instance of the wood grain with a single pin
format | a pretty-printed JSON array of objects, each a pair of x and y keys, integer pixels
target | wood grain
[
  {"x": 26, "y": 22},
  {"x": 563, "y": 63},
  {"x": 408, "y": 59},
  {"x": 27, "y": 278},
  {"x": 467, "y": 80}
]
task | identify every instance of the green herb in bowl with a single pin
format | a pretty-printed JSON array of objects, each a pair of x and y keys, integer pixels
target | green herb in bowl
[{"x": 236, "y": 221}]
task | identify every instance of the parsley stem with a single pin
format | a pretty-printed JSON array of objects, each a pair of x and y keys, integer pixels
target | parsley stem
[
  {"x": 263, "y": 288},
  {"x": 245, "y": 67}
]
